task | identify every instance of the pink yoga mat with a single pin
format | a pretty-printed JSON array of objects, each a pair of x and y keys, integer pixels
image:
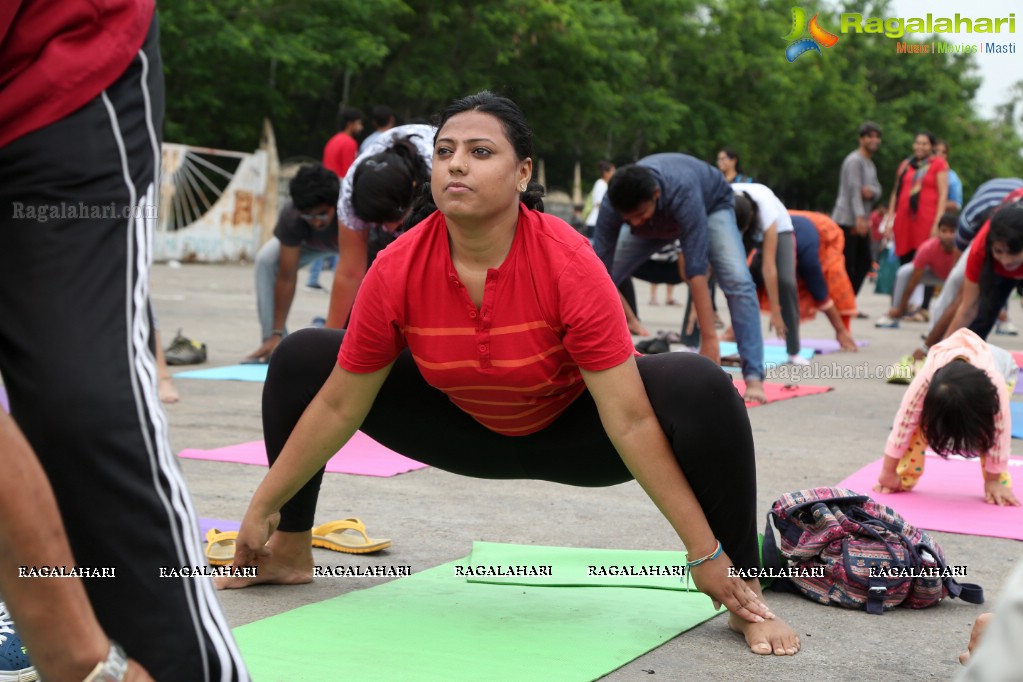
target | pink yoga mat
[
  {"x": 949, "y": 498},
  {"x": 776, "y": 392},
  {"x": 362, "y": 455}
]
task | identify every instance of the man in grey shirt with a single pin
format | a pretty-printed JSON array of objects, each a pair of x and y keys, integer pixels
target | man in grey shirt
[{"x": 858, "y": 189}]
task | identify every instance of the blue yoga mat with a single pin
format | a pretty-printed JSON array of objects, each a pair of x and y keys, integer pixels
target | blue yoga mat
[
  {"x": 772, "y": 354},
  {"x": 227, "y": 373},
  {"x": 1017, "y": 419}
]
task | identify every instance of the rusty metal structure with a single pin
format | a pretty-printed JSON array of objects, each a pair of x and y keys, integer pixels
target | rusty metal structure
[{"x": 216, "y": 205}]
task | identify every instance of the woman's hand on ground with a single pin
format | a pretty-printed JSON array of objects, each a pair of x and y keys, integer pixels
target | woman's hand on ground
[
  {"x": 888, "y": 483},
  {"x": 250, "y": 546},
  {"x": 1002, "y": 495},
  {"x": 263, "y": 352},
  {"x": 712, "y": 578},
  {"x": 846, "y": 342}
]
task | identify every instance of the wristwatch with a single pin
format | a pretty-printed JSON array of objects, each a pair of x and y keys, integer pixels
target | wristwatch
[{"x": 113, "y": 669}]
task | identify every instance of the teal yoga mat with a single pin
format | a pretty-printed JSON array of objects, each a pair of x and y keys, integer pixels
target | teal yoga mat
[
  {"x": 772, "y": 354},
  {"x": 435, "y": 625},
  {"x": 227, "y": 373}
]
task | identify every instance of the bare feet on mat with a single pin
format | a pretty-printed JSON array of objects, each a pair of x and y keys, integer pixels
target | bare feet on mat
[
  {"x": 755, "y": 392},
  {"x": 773, "y": 636},
  {"x": 167, "y": 392},
  {"x": 975, "y": 635},
  {"x": 288, "y": 562}
]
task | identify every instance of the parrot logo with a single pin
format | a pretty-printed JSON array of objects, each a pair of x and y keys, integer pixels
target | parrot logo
[{"x": 798, "y": 46}]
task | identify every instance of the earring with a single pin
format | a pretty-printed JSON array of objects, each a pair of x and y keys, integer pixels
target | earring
[{"x": 522, "y": 188}]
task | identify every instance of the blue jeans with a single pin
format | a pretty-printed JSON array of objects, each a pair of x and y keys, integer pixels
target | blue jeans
[
  {"x": 728, "y": 258},
  {"x": 317, "y": 267},
  {"x": 268, "y": 259}
]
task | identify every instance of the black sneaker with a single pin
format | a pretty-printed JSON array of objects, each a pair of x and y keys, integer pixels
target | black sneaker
[
  {"x": 184, "y": 351},
  {"x": 15, "y": 665}
]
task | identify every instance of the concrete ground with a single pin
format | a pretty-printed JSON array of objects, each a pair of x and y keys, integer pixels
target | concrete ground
[{"x": 433, "y": 517}]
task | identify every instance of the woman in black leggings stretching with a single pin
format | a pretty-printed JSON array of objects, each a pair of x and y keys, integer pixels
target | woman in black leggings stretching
[{"x": 488, "y": 341}]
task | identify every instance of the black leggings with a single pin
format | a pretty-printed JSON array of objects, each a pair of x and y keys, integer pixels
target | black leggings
[
  {"x": 858, "y": 259},
  {"x": 698, "y": 407}
]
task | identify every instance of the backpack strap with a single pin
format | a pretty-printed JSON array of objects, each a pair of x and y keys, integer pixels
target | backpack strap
[{"x": 970, "y": 593}]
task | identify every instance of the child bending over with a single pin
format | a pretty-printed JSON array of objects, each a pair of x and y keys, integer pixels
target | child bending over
[{"x": 957, "y": 403}]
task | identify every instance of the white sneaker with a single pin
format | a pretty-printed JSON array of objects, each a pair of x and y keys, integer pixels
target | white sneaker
[{"x": 798, "y": 360}]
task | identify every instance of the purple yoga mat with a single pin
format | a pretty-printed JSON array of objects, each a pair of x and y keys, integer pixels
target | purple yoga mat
[
  {"x": 4, "y": 405},
  {"x": 220, "y": 524}
]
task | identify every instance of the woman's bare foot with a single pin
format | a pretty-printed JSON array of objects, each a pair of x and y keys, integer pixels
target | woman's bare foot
[
  {"x": 978, "y": 631},
  {"x": 165, "y": 389},
  {"x": 290, "y": 563},
  {"x": 773, "y": 636},
  {"x": 755, "y": 392},
  {"x": 638, "y": 329}
]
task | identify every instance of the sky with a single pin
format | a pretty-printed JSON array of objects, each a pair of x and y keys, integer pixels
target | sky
[{"x": 999, "y": 71}]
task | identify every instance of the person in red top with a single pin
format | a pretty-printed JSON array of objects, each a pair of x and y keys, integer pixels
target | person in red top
[
  {"x": 919, "y": 198},
  {"x": 338, "y": 155},
  {"x": 993, "y": 271},
  {"x": 931, "y": 265},
  {"x": 340, "y": 151},
  {"x": 490, "y": 341},
  {"x": 81, "y": 119}
]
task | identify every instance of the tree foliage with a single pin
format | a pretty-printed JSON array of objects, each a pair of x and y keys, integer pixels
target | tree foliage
[{"x": 615, "y": 78}]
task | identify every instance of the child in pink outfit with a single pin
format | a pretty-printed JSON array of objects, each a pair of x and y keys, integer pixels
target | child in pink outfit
[{"x": 958, "y": 402}]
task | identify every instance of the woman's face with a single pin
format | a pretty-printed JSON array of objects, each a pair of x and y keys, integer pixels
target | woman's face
[
  {"x": 476, "y": 173},
  {"x": 726, "y": 163},
  {"x": 922, "y": 147},
  {"x": 1008, "y": 260}
]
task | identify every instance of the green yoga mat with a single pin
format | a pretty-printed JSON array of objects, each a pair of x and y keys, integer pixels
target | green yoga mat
[{"x": 435, "y": 625}]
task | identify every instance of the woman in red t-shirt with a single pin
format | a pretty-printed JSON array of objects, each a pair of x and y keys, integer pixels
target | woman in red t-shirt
[
  {"x": 489, "y": 341},
  {"x": 919, "y": 198},
  {"x": 993, "y": 270}
]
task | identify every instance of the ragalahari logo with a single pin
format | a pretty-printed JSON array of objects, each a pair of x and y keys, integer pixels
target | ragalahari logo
[{"x": 818, "y": 36}]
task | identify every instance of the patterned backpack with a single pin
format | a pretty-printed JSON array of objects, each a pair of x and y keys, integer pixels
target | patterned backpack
[{"x": 866, "y": 556}]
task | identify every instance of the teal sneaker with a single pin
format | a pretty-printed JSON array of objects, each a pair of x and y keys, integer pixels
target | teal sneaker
[{"x": 15, "y": 665}]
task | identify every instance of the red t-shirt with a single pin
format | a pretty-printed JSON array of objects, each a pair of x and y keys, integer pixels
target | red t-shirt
[
  {"x": 978, "y": 252},
  {"x": 339, "y": 153},
  {"x": 931, "y": 256},
  {"x": 513, "y": 365},
  {"x": 55, "y": 57},
  {"x": 914, "y": 228}
]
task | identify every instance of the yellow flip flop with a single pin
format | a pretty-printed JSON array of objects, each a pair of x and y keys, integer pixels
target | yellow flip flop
[
  {"x": 220, "y": 546},
  {"x": 348, "y": 536}
]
